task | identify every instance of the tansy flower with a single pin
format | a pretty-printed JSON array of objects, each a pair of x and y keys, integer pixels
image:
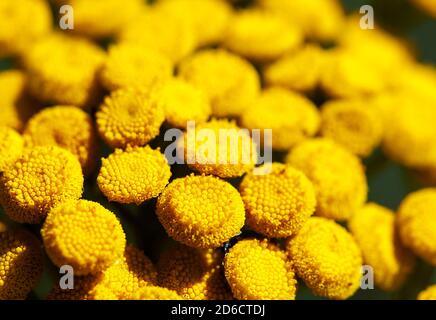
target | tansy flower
[
  {"x": 201, "y": 211},
  {"x": 427, "y": 6},
  {"x": 428, "y": 294},
  {"x": 17, "y": 36},
  {"x": 84, "y": 235},
  {"x": 208, "y": 18},
  {"x": 132, "y": 66},
  {"x": 155, "y": 293},
  {"x": 354, "y": 124},
  {"x": 42, "y": 178},
  {"x": 417, "y": 81},
  {"x": 259, "y": 270},
  {"x": 11, "y": 146},
  {"x": 416, "y": 220},
  {"x": 327, "y": 258},
  {"x": 299, "y": 70},
  {"x": 20, "y": 264},
  {"x": 58, "y": 74},
  {"x": 134, "y": 175},
  {"x": 337, "y": 175},
  {"x": 291, "y": 116},
  {"x": 182, "y": 102},
  {"x": 68, "y": 127},
  {"x": 220, "y": 148},
  {"x": 260, "y": 35},
  {"x": 277, "y": 203},
  {"x": 373, "y": 228},
  {"x": 230, "y": 82},
  {"x": 195, "y": 274},
  {"x": 129, "y": 117}
]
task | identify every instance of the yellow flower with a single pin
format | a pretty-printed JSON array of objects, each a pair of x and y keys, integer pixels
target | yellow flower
[
  {"x": 195, "y": 274},
  {"x": 11, "y": 147},
  {"x": 428, "y": 294},
  {"x": 259, "y": 270},
  {"x": 417, "y": 223},
  {"x": 428, "y": 6},
  {"x": 42, "y": 178},
  {"x": 134, "y": 175},
  {"x": 21, "y": 264},
  {"x": 327, "y": 258},
  {"x": 67, "y": 127},
  {"x": 201, "y": 211},
  {"x": 129, "y": 117},
  {"x": 131, "y": 66},
  {"x": 277, "y": 203},
  {"x": 84, "y": 235},
  {"x": 373, "y": 228},
  {"x": 155, "y": 293},
  {"x": 230, "y": 82},
  {"x": 58, "y": 74},
  {"x": 291, "y": 116},
  {"x": 337, "y": 175},
  {"x": 260, "y": 35},
  {"x": 352, "y": 123}
]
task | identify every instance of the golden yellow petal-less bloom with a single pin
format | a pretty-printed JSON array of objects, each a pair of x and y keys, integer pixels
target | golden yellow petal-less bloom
[
  {"x": 201, "y": 211},
  {"x": 21, "y": 264},
  {"x": 11, "y": 146},
  {"x": 417, "y": 223},
  {"x": 195, "y": 274},
  {"x": 134, "y": 175},
  {"x": 373, "y": 228},
  {"x": 155, "y": 293},
  {"x": 129, "y": 117},
  {"x": 277, "y": 203},
  {"x": 259, "y": 270},
  {"x": 183, "y": 102},
  {"x": 63, "y": 70},
  {"x": 352, "y": 123},
  {"x": 299, "y": 70},
  {"x": 219, "y": 147},
  {"x": 291, "y": 116},
  {"x": 42, "y": 178},
  {"x": 230, "y": 82},
  {"x": 22, "y": 23},
  {"x": 428, "y": 294},
  {"x": 337, "y": 175},
  {"x": 67, "y": 127},
  {"x": 261, "y": 36},
  {"x": 327, "y": 258},
  {"x": 84, "y": 235},
  {"x": 132, "y": 66}
]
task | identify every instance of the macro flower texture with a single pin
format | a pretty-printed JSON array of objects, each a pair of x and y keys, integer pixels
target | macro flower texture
[{"x": 217, "y": 150}]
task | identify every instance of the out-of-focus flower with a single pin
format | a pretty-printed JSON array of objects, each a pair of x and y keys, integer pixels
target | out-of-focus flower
[{"x": 428, "y": 294}]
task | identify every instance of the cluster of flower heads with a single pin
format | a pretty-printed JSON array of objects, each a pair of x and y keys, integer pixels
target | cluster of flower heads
[{"x": 306, "y": 219}]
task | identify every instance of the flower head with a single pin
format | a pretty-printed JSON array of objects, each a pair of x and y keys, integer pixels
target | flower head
[{"x": 11, "y": 146}]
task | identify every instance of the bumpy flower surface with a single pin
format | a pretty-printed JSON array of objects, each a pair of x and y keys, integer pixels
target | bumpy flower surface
[
  {"x": 182, "y": 102},
  {"x": 337, "y": 175},
  {"x": 21, "y": 264},
  {"x": 134, "y": 175},
  {"x": 327, "y": 258},
  {"x": 67, "y": 127},
  {"x": 299, "y": 70},
  {"x": 201, "y": 211},
  {"x": 11, "y": 146},
  {"x": 195, "y": 274},
  {"x": 16, "y": 35},
  {"x": 129, "y": 117},
  {"x": 353, "y": 124},
  {"x": 230, "y": 82},
  {"x": 279, "y": 202},
  {"x": 291, "y": 116},
  {"x": 207, "y": 18},
  {"x": 132, "y": 66},
  {"x": 219, "y": 147},
  {"x": 373, "y": 228},
  {"x": 42, "y": 178},
  {"x": 84, "y": 235},
  {"x": 58, "y": 74},
  {"x": 428, "y": 294},
  {"x": 417, "y": 223},
  {"x": 155, "y": 293},
  {"x": 259, "y": 270},
  {"x": 261, "y": 36}
]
